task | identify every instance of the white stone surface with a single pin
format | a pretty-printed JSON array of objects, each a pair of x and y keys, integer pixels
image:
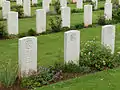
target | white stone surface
[
  {"x": 72, "y": 46},
  {"x": 108, "y": 36},
  {"x": 108, "y": 11},
  {"x": 46, "y": 5},
  {"x": 40, "y": 20},
  {"x": 12, "y": 22},
  {"x": 5, "y": 9},
  {"x": 79, "y": 4},
  {"x": 1, "y": 2},
  {"x": 65, "y": 15},
  {"x": 34, "y": 2},
  {"x": 50, "y": 1},
  {"x": 108, "y": 1},
  {"x": 87, "y": 15},
  {"x": 27, "y": 56},
  {"x": 63, "y": 3},
  {"x": 27, "y": 8},
  {"x": 19, "y": 2}
]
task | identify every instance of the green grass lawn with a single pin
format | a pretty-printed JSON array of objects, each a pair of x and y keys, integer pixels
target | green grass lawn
[
  {"x": 51, "y": 50},
  {"x": 50, "y": 47},
  {"x": 106, "y": 80}
]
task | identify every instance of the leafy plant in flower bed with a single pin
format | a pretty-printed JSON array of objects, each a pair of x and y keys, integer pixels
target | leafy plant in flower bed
[
  {"x": 116, "y": 14},
  {"x": 44, "y": 76},
  {"x": 8, "y": 74},
  {"x": 3, "y": 32},
  {"x": 55, "y": 24},
  {"x": 18, "y": 9},
  {"x": 71, "y": 68},
  {"x": 97, "y": 57},
  {"x": 102, "y": 21},
  {"x": 31, "y": 32},
  {"x": 76, "y": 11},
  {"x": 57, "y": 7}
]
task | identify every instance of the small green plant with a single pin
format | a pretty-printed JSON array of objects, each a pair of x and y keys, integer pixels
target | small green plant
[
  {"x": 116, "y": 14},
  {"x": 55, "y": 24},
  {"x": 43, "y": 77},
  {"x": 96, "y": 57},
  {"x": 3, "y": 32},
  {"x": 31, "y": 32},
  {"x": 57, "y": 7},
  {"x": 93, "y": 3},
  {"x": 8, "y": 73},
  {"x": 18, "y": 9},
  {"x": 20, "y": 35},
  {"x": 71, "y": 68},
  {"x": 76, "y": 11},
  {"x": 79, "y": 26},
  {"x": 103, "y": 21}
]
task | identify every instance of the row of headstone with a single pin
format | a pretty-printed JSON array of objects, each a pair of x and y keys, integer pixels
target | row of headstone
[
  {"x": 65, "y": 15},
  {"x": 72, "y": 43},
  {"x": 26, "y": 7},
  {"x": 40, "y": 22},
  {"x": 41, "y": 19},
  {"x": 28, "y": 48},
  {"x": 6, "y": 8}
]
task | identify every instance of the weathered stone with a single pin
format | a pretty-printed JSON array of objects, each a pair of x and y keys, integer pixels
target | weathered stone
[
  {"x": 72, "y": 46},
  {"x": 27, "y": 56}
]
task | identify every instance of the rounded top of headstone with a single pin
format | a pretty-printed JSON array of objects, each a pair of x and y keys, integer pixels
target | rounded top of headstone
[
  {"x": 88, "y": 5},
  {"x": 40, "y": 10},
  {"x": 13, "y": 12},
  {"x": 72, "y": 31},
  {"x": 31, "y": 37},
  {"x": 65, "y": 7},
  {"x": 105, "y": 26}
]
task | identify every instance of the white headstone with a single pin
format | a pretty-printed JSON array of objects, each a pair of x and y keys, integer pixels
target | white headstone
[
  {"x": 27, "y": 56},
  {"x": 12, "y": 22},
  {"x": 80, "y": 4},
  {"x": 19, "y": 2},
  {"x": 65, "y": 14},
  {"x": 63, "y": 3},
  {"x": 46, "y": 5},
  {"x": 1, "y": 2},
  {"x": 40, "y": 20},
  {"x": 108, "y": 1},
  {"x": 72, "y": 46},
  {"x": 119, "y": 2},
  {"x": 108, "y": 36},
  {"x": 27, "y": 8},
  {"x": 5, "y": 9},
  {"x": 108, "y": 11},
  {"x": 34, "y": 2},
  {"x": 50, "y": 1},
  {"x": 87, "y": 15}
]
